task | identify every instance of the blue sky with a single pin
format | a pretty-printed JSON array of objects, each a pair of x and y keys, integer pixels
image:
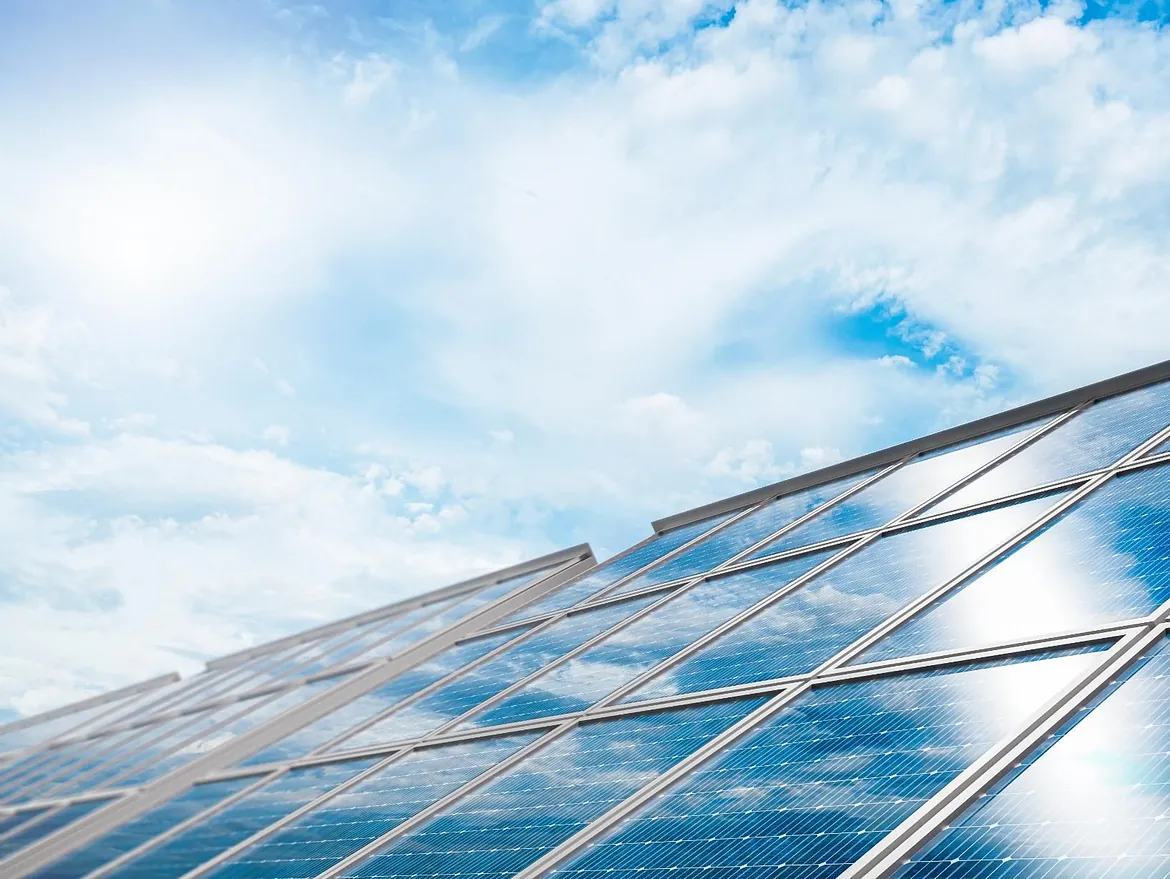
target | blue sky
[{"x": 308, "y": 307}]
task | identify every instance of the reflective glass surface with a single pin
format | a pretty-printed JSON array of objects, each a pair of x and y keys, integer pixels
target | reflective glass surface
[
  {"x": 1093, "y": 802},
  {"x": 550, "y": 795},
  {"x": 809, "y": 626},
  {"x": 1107, "y": 559},
  {"x": 34, "y": 831},
  {"x": 738, "y": 536},
  {"x": 469, "y": 689},
  {"x": 8, "y": 823},
  {"x": 361, "y": 709},
  {"x": 74, "y": 761},
  {"x": 815, "y": 786},
  {"x": 1093, "y": 439},
  {"x": 358, "y": 816},
  {"x": 135, "y": 832},
  {"x": 48, "y": 730},
  {"x": 620, "y": 566},
  {"x": 221, "y": 830},
  {"x": 624, "y": 655},
  {"x": 899, "y": 492}
]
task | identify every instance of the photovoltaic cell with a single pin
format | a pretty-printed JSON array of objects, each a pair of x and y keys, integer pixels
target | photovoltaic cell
[
  {"x": 139, "y": 830},
  {"x": 1093, "y": 801},
  {"x": 361, "y": 709},
  {"x": 613, "y": 570},
  {"x": 73, "y": 762},
  {"x": 48, "y": 730},
  {"x": 1095, "y": 438},
  {"x": 345, "y": 823},
  {"x": 471, "y": 688},
  {"x": 899, "y": 492},
  {"x": 34, "y": 831},
  {"x": 738, "y": 536},
  {"x": 812, "y": 624},
  {"x": 9, "y": 823},
  {"x": 625, "y": 654},
  {"x": 550, "y": 795},
  {"x": 819, "y": 783},
  {"x": 1106, "y": 560},
  {"x": 223, "y": 829}
]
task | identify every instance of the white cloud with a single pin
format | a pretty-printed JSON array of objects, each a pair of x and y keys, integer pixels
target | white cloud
[{"x": 277, "y": 433}]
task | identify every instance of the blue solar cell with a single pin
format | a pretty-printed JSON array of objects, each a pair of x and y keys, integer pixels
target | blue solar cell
[
  {"x": 73, "y": 762},
  {"x": 1108, "y": 559},
  {"x": 471, "y": 688},
  {"x": 550, "y": 795},
  {"x": 25, "y": 767},
  {"x": 9, "y": 823},
  {"x": 613, "y": 570},
  {"x": 345, "y": 823},
  {"x": 831, "y": 611},
  {"x": 738, "y": 536},
  {"x": 624, "y": 655},
  {"x": 139, "y": 830},
  {"x": 1089, "y": 441},
  {"x": 1162, "y": 449},
  {"x": 50, "y": 823},
  {"x": 898, "y": 492},
  {"x": 361, "y": 709},
  {"x": 236, "y": 822},
  {"x": 48, "y": 730},
  {"x": 819, "y": 783},
  {"x": 1091, "y": 802}
]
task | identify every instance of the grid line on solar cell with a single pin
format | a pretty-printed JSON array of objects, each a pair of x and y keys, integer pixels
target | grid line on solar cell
[
  {"x": 226, "y": 827},
  {"x": 898, "y": 493},
  {"x": 817, "y": 784},
  {"x": 1106, "y": 559},
  {"x": 468, "y": 690},
  {"x": 1095, "y": 438},
  {"x": 47, "y": 825},
  {"x": 609, "y": 572},
  {"x": 649, "y": 640},
  {"x": 1092, "y": 801},
  {"x": 370, "y": 705},
  {"x": 550, "y": 795},
  {"x": 137, "y": 831},
  {"x": 812, "y": 624},
  {"x": 345, "y": 823},
  {"x": 745, "y": 532}
]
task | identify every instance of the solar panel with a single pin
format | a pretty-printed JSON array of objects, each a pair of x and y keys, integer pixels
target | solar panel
[
  {"x": 898, "y": 492},
  {"x": 821, "y": 618},
  {"x": 132, "y": 834},
  {"x": 468, "y": 690},
  {"x": 1088, "y": 441},
  {"x": 551, "y": 794},
  {"x": 342, "y": 825},
  {"x": 1092, "y": 802},
  {"x": 363, "y": 708},
  {"x": 819, "y": 783},
  {"x": 603, "y": 575},
  {"x": 1106, "y": 560},
  {"x": 46, "y": 825},
  {"x": 622, "y": 656},
  {"x": 9, "y": 823},
  {"x": 223, "y": 829}
]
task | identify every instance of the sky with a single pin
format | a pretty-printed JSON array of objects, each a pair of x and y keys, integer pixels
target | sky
[{"x": 308, "y": 308}]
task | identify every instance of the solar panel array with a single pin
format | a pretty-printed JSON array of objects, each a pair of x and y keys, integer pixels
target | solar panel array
[{"x": 949, "y": 664}]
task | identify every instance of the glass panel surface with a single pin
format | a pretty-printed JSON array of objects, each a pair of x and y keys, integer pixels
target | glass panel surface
[
  {"x": 621, "y": 657},
  {"x": 345, "y": 823},
  {"x": 48, "y": 730},
  {"x": 1107, "y": 559},
  {"x": 1088, "y": 441},
  {"x": 898, "y": 492},
  {"x": 35, "y": 831},
  {"x": 834, "y": 609},
  {"x": 818, "y": 784},
  {"x": 135, "y": 832},
  {"x": 1092, "y": 802},
  {"x": 469, "y": 689},
  {"x": 370, "y": 705},
  {"x": 73, "y": 762},
  {"x": 613, "y": 570},
  {"x": 546, "y": 798},
  {"x": 738, "y": 536},
  {"x": 235, "y": 823},
  {"x": 1162, "y": 449}
]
